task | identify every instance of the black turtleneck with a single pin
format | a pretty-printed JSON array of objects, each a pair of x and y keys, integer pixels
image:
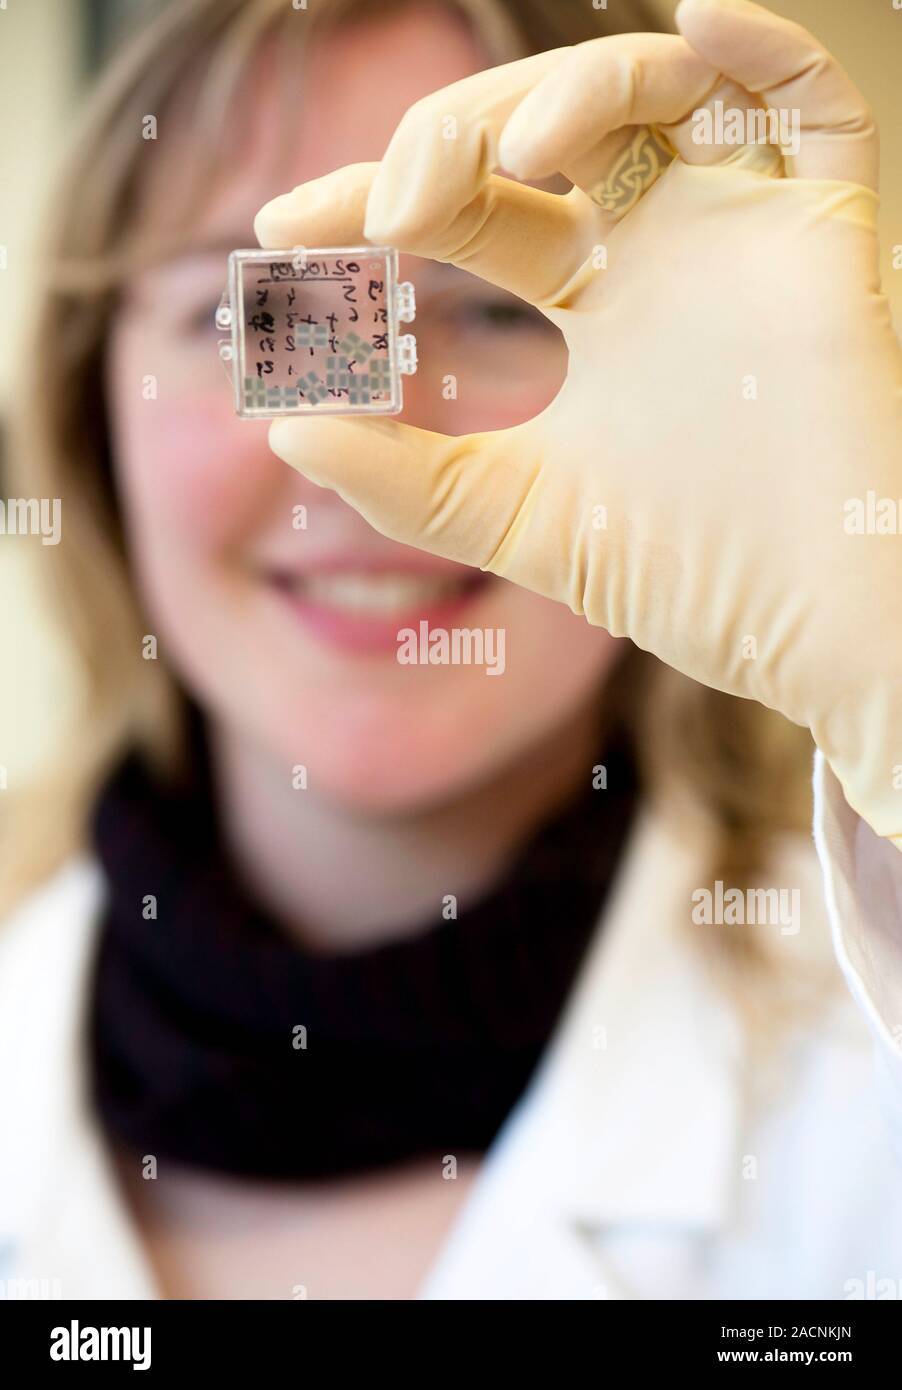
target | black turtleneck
[{"x": 218, "y": 1041}]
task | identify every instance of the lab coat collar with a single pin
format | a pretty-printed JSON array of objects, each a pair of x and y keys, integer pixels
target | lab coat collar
[
  {"x": 636, "y": 1112},
  {"x": 64, "y": 1227},
  {"x": 631, "y": 1126}
]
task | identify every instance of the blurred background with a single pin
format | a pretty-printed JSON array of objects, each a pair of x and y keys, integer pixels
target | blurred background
[{"x": 50, "y": 52}]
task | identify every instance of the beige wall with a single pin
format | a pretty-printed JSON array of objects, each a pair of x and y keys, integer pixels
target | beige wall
[
  {"x": 38, "y": 57},
  {"x": 37, "y": 65},
  {"x": 37, "y": 78}
]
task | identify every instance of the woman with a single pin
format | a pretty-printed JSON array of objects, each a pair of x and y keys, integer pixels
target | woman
[{"x": 376, "y": 980}]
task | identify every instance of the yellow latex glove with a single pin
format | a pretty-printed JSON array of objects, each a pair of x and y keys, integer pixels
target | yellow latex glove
[{"x": 734, "y": 382}]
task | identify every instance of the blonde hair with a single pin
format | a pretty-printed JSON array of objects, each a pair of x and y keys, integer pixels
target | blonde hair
[{"x": 745, "y": 767}]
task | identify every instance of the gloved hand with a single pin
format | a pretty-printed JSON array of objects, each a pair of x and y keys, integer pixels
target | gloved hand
[{"x": 734, "y": 393}]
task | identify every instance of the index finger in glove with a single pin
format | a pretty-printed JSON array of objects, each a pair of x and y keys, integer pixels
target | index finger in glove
[{"x": 524, "y": 240}]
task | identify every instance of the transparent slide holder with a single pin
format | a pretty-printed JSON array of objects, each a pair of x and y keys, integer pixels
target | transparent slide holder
[{"x": 317, "y": 331}]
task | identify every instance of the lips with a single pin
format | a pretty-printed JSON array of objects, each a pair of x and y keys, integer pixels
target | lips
[{"x": 363, "y": 610}]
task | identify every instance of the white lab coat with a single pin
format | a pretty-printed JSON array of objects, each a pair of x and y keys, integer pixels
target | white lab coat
[{"x": 637, "y": 1165}]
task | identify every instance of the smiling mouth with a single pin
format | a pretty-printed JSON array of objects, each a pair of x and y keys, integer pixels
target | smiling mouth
[{"x": 378, "y": 595}]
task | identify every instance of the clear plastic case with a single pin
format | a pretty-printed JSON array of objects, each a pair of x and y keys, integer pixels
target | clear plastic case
[{"x": 317, "y": 330}]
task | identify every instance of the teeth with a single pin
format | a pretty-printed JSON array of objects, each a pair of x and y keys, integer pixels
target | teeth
[{"x": 375, "y": 593}]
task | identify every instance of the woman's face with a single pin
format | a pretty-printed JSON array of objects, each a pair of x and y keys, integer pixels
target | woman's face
[{"x": 287, "y": 633}]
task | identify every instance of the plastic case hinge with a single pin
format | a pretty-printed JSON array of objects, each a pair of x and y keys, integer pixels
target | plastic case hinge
[
  {"x": 406, "y": 302},
  {"x": 407, "y": 354}
]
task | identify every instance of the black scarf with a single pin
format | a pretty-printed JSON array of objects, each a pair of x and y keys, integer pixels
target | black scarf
[{"x": 421, "y": 1046}]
